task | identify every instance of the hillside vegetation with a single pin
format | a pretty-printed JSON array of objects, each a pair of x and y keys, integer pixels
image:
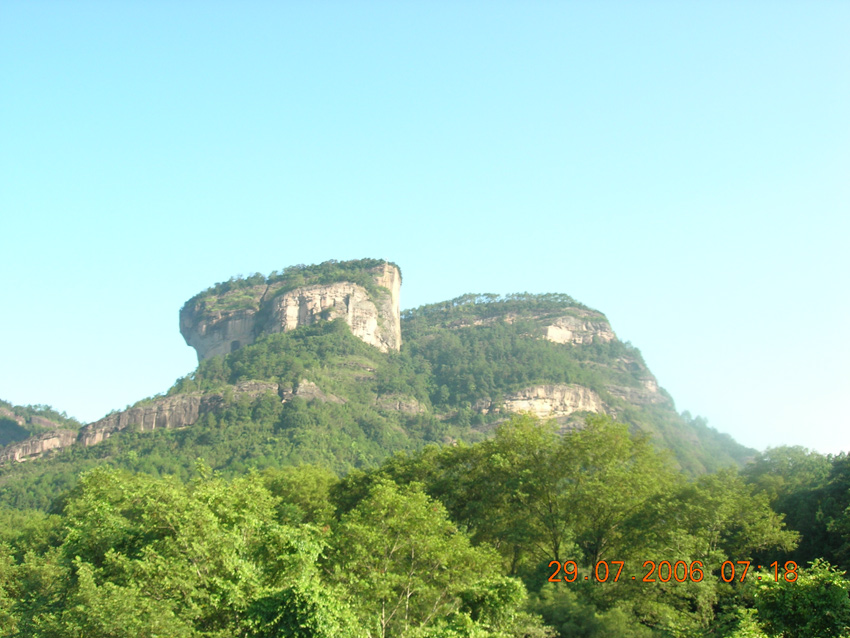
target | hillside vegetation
[
  {"x": 330, "y": 489},
  {"x": 459, "y": 361},
  {"x": 528, "y": 534}
]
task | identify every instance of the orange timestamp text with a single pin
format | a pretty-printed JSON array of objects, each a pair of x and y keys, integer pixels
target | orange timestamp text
[{"x": 665, "y": 571}]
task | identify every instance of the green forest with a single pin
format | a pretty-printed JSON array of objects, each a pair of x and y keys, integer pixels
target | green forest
[
  {"x": 529, "y": 533},
  {"x": 368, "y": 494}
]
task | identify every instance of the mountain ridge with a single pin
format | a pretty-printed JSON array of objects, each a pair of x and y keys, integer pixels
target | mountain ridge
[{"x": 318, "y": 392}]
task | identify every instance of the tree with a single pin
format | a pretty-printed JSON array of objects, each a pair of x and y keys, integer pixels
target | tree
[
  {"x": 815, "y": 605},
  {"x": 406, "y": 568},
  {"x": 145, "y": 557}
]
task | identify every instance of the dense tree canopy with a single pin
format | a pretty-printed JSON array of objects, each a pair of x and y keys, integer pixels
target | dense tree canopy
[
  {"x": 531, "y": 533},
  {"x": 396, "y": 506}
]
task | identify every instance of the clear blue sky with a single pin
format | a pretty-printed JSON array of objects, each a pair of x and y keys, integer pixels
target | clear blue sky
[{"x": 683, "y": 167}]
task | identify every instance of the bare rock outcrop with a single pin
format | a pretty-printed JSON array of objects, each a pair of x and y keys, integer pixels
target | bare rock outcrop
[
  {"x": 582, "y": 326},
  {"x": 556, "y": 401},
  {"x": 178, "y": 411},
  {"x": 36, "y": 446},
  {"x": 308, "y": 391},
  {"x": 219, "y": 332},
  {"x": 170, "y": 412},
  {"x": 224, "y": 323}
]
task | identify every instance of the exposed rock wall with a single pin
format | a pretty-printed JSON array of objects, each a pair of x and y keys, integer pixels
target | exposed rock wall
[
  {"x": 350, "y": 302},
  {"x": 583, "y": 327},
  {"x": 554, "y": 401},
  {"x": 171, "y": 412},
  {"x": 399, "y": 403},
  {"x": 167, "y": 412},
  {"x": 218, "y": 333},
  {"x": 647, "y": 393},
  {"x": 377, "y": 321},
  {"x": 36, "y": 446}
]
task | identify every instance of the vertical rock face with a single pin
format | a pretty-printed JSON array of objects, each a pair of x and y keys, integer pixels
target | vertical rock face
[
  {"x": 36, "y": 446},
  {"x": 581, "y": 327},
  {"x": 554, "y": 401},
  {"x": 220, "y": 324},
  {"x": 221, "y": 333},
  {"x": 177, "y": 411},
  {"x": 173, "y": 412}
]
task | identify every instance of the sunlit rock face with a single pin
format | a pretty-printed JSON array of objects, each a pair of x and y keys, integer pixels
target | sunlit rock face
[
  {"x": 240, "y": 317},
  {"x": 37, "y": 446},
  {"x": 167, "y": 413},
  {"x": 583, "y": 326},
  {"x": 554, "y": 401}
]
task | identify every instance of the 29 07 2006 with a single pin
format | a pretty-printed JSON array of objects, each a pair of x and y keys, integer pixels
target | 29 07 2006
[{"x": 665, "y": 571}]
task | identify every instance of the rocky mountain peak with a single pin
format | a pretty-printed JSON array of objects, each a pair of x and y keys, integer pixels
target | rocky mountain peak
[{"x": 234, "y": 314}]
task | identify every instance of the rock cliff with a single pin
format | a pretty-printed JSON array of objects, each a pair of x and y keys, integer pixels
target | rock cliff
[
  {"x": 549, "y": 401},
  {"x": 221, "y": 322},
  {"x": 178, "y": 411},
  {"x": 171, "y": 412},
  {"x": 554, "y": 401},
  {"x": 36, "y": 446},
  {"x": 581, "y": 326}
]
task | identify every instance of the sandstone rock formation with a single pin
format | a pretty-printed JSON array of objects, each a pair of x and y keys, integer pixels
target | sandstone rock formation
[
  {"x": 399, "y": 403},
  {"x": 583, "y": 326},
  {"x": 224, "y": 323},
  {"x": 170, "y": 412},
  {"x": 578, "y": 326},
  {"x": 555, "y": 401},
  {"x": 36, "y": 446},
  {"x": 164, "y": 412}
]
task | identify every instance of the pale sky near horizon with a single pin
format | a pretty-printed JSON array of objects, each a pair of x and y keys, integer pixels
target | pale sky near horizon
[{"x": 682, "y": 167}]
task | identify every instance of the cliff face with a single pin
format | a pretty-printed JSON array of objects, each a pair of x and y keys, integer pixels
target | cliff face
[
  {"x": 172, "y": 412},
  {"x": 36, "y": 446},
  {"x": 178, "y": 411},
  {"x": 166, "y": 412},
  {"x": 583, "y": 326},
  {"x": 554, "y": 401},
  {"x": 5, "y": 413},
  {"x": 224, "y": 323}
]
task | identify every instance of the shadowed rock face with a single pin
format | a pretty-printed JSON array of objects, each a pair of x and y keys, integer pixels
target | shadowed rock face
[{"x": 377, "y": 321}]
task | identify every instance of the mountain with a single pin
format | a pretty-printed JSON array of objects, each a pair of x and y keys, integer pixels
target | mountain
[{"x": 316, "y": 364}]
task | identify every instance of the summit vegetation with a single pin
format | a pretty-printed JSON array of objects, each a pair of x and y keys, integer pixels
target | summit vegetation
[{"x": 240, "y": 292}]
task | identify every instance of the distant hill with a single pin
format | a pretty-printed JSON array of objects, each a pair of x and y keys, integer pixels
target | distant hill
[{"x": 317, "y": 365}]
